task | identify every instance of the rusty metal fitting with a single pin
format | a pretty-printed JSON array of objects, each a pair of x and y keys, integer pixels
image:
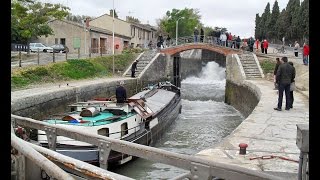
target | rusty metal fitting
[{"x": 243, "y": 147}]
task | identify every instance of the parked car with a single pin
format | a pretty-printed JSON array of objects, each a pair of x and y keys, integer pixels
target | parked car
[
  {"x": 42, "y": 48},
  {"x": 60, "y": 48}
]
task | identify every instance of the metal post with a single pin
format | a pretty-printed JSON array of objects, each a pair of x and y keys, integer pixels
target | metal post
[
  {"x": 101, "y": 51},
  {"x": 53, "y": 57},
  {"x": 38, "y": 57},
  {"x": 113, "y": 38},
  {"x": 176, "y": 32},
  {"x": 78, "y": 53},
  {"x": 20, "y": 58},
  {"x": 66, "y": 56}
]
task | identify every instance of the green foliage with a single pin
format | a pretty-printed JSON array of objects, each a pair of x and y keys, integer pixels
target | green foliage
[
  {"x": 29, "y": 19},
  {"x": 71, "y": 70},
  {"x": 191, "y": 19},
  {"x": 267, "y": 66},
  {"x": 77, "y": 18},
  {"x": 292, "y": 23}
]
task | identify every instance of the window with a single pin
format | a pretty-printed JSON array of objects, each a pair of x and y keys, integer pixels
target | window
[
  {"x": 104, "y": 132},
  {"x": 124, "y": 129},
  {"x": 134, "y": 31},
  {"x": 63, "y": 41},
  {"x": 56, "y": 41}
]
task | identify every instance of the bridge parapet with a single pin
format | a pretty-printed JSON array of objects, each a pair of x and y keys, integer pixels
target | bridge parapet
[{"x": 211, "y": 47}]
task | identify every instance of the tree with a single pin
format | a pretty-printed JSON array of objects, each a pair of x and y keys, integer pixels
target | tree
[
  {"x": 264, "y": 19},
  {"x": 280, "y": 25},
  {"x": 191, "y": 19},
  {"x": 291, "y": 10},
  {"x": 78, "y": 18},
  {"x": 133, "y": 20},
  {"x": 257, "y": 30},
  {"x": 29, "y": 19},
  {"x": 304, "y": 23},
  {"x": 271, "y": 33}
]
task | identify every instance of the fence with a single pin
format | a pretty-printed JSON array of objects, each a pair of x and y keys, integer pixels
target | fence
[
  {"x": 199, "y": 168},
  {"x": 19, "y": 47}
]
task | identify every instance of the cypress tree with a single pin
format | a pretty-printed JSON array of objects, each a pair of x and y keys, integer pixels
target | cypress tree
[
  {"x": 280, "y": 25},
  {"x": 304, "y": 23},
  {"x": 264, "y": 19},
  {"x": 257, "y": 30},
  {"x": 272, "y": 21}
]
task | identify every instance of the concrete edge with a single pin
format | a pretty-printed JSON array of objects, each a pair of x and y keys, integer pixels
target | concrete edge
[
  {"x": 151, "y": 62},
  {"x": 240, "y": 65},
  {"x": 258, "y": 64}
]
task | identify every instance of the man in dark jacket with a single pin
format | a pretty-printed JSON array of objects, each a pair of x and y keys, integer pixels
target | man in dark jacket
[
  {"x": 121, "y": 93},
  {"x": 133, "y": 68},
  {"x": 201, "y": 35},
  {"x": 284, "y": 76}
]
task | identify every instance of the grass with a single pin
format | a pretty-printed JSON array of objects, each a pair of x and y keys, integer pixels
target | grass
[
  {"x": 73, "y": 69},
  {"x": 267, "y": 65}
]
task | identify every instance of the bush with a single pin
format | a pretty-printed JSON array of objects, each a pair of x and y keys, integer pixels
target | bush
[{"x": 267, "y": 66}]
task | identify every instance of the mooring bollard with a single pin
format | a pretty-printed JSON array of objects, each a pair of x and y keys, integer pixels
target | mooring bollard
[
  {"x": 243, "y": 147},
  {"x": 53, "y": 57},
  {"x": 38, "y": 57},
  {"x": 20, "y": 58}
]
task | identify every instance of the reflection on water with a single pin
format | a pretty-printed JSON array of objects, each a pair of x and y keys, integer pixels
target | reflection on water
[{"x": 204, "y": 121}]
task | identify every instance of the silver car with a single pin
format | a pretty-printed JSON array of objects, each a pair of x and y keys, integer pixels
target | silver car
[{"x": 42, "y": 48}]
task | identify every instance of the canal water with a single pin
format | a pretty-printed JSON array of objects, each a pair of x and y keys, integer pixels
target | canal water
[{"x": 204, "y": 121}]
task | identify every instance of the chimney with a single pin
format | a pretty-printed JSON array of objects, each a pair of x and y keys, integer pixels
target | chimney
[
  {"x": 111, "y": 12},
  {"x": 87, "y": 22}
]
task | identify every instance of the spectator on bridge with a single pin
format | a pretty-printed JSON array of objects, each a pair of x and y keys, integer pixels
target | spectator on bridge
[
  {"x": 230, "y": 40},
  {"x": 121, "y": 93},
  {"x": 227, "y": 35},
  {"x": 275, "y": 73},
  {"x": 305, "y": 54},
  {"x": 168, "y": 40},
  {"x": 160, "y": 39},
  {"x": 223, "y": 39},
  {"x": 218, "y": 37},
  {"x": 150, "y": 44},
  {"x": 196, "y": 34},
  {"x": 234, "y": 38},
  {"x": 284, "y": 76},
  {"x": 201, "y": 35},
  {"x": 265, "y": 46},
  {"x": 134, "y": 68},
  {"x": 296, "y": 48},
  {"x": 238, "y": 41}
]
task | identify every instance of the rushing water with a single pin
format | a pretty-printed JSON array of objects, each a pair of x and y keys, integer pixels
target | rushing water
[{"x": 204, "y": 121}]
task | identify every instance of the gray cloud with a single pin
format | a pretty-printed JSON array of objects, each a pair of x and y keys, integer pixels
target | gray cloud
[{"x": 238, "y": 16}]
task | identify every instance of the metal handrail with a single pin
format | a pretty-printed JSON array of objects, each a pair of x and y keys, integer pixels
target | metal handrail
[
  {"x": 198, "y": 167},
  {"x": 51, "y": 168}
]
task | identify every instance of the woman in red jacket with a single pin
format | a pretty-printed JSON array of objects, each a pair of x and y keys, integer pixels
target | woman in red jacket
[
  {"x": 265, "y": 46},
  {"x": 305, "y": 54}
]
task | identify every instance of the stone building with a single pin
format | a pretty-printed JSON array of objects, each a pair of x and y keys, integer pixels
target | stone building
[{"x": 90, "y": 38}]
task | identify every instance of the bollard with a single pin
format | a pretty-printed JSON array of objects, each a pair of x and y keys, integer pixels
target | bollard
[
  {"x": 243, "y": 147},
  {"x": 20, "y": 58},
  {"x": 66, "y": 56},
  {"x": 38, "y": 57},
  {"x": 101, "y": 51},
  {"x": 53, "y": 57},
  {"x": 78, "y": 53}
]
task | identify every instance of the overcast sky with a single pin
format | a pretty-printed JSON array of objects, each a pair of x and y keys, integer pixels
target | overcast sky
[{"x": 238, "y": 16}]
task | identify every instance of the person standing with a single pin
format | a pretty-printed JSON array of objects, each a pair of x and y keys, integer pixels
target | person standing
[
  {"x": 168, "y": 40},
  {"x": 223, "y": 39},
  {"x": 265, "y": 46},
  {"x": 262, "y": 49},
  {"x": 296, "y": 48},
  {"x": 238, "y": 41},
  {"x": 196, "y": 34},
  {"x": 292, "y": 86},
  {"x": 251, "y": 43},
  {"x": 160, "y": 39},
  {"x": 284, "y": 76},
  {"x": 201, "y": 35},
  {"x": 121, "y": 93},
  {"x": 305, "y": 54},
  {"x": 134, "y": 68},
  {"x": 275, "y": 73},
  {"x": 257, "y": 45}
]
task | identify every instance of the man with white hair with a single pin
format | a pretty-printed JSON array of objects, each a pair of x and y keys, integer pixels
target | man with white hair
[
  {"x": 121, "y": 93},
  {"x": 223, "y": 39}
]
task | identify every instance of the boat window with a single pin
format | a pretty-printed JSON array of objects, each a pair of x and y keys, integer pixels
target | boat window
[
  {"x": 104, "y": 132},
  {"x": 73, "y": 109},
  {"x": 124, "y": 129}
]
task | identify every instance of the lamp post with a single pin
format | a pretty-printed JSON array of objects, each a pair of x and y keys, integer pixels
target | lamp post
[
  {"x": 113, "y": 37},
  {"x": 177, "y": 30}
]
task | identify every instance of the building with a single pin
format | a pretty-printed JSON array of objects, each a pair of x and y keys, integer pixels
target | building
[
  {"x": 83, "y": 37},
  {"x": 139, "y": 34}
]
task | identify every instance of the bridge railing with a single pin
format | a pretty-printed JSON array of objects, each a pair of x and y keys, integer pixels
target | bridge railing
[
  {"x": 199, "y": 168},
  {"x": 204, "y": 39}
]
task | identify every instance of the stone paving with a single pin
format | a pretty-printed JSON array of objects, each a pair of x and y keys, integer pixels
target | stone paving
[{"x": 267, "y": 132}]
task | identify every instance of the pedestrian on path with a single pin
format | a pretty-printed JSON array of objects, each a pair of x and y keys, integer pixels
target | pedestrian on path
[
  {"x": 292, "y": 86},
  {"x": 238, "y": 41},
  {"x": 284, "y": 76},
  {"x": 257, "y": 45},
  {"x": 121, "y": 93},
  {"x": 134, "y": 68},
  {"x": 276, "y": 85},
  {"x": 262, "y": 49},
  {"x": 305, "y": 54},
  {"x": 296, "y": 48},
  {"x": 265, "y": 46}
]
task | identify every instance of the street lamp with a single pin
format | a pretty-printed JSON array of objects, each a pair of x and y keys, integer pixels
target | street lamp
[
  {"x": 113, "y": 37},
  {"x": 177, "y": 30}
]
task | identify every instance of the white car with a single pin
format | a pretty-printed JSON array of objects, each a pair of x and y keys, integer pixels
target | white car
[{"x": 42, "y": 48}]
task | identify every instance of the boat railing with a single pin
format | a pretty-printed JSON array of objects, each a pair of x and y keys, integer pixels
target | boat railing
[{"x": 199, "y": 168}]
